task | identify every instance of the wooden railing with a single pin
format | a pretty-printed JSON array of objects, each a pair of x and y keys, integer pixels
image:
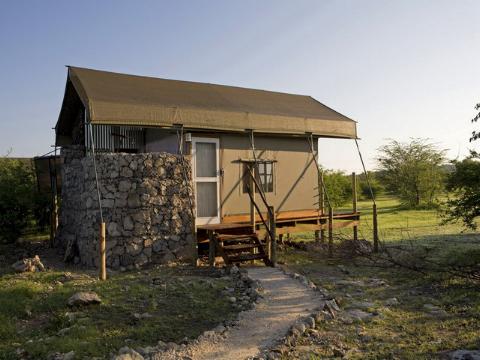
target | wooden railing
[{"x": 268, "y": 223}]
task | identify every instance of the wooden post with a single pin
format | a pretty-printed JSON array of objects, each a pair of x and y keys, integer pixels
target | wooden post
[
  {"x": 211, "y": 248},
  {"x": 375, "y": 229},
  {"x": 273, "y": 243},
  {"x": 317, "y": 236},
  {"x": 321, "y": 200},
  {"x": 103, "y": 253},
  {"x": 330, "y": 231},
  {"x": 354, "y": 203},
  {"x": 252, "y": 192}
]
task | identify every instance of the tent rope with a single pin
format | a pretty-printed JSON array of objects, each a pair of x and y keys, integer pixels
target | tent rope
[
  {"x": 319, "y": 171},
  {"x": 365, "y": 172}
]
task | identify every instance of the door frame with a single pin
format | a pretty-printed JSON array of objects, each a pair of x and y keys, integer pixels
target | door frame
[{"x": 216, "y": 178}]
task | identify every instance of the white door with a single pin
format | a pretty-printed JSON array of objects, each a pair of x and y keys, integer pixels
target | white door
[{"x": 206, "y": 178}]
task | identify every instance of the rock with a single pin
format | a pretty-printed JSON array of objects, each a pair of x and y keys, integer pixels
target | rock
[
  {"x": 338, "y": 352},
  {"x": 310, "y": 322},
  {"x": 234, "y": 270},
  {"x": 359, "y": 315},
  {"x": 392, "y": 302},
  {"x": 364, "y": 305},
  {"x": 331, "y": 306},
  {"x": 343, "y": 269},
  {"x": 220, "y": 329},
  {"x": 431, "y": 307},
  {"x": 29, "y": 265},
  {"x": 232, "y": 299},
  {"x": 125, "y": 353},
  {"x": 84, "y": 298},
  {"x": 464, "y": 355},
  {"x": 63, "y": 332}
]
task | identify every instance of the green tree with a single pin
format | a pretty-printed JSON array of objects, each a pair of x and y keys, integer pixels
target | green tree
[
  {"x": 364, "y": 188},
  {"x": 413, "y": 171},
  {"x": 338, "y": 186},
  {"x": 17, "y": 194},
  {"x": 464, "y": 185}
]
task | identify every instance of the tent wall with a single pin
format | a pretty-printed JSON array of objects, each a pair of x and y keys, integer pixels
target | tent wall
[{"x": 295, "y": 176}]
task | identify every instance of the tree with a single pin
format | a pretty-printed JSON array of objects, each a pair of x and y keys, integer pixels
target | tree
[
  {"x": 17, "y": 194},
  {"x": 373, "y": 182},
  {"x": 413, "y": 171},
  {"x": 464, "y": 185},
  {"x": 476, "y": 134},
  {"x": 338, "y": 186}
]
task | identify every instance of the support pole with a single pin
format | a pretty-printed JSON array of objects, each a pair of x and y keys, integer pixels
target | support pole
[
  {"x": 252, "y": 192},
  {"x": 354, "y": 204},
  {"x": 103, "y": 253},
  {"x": 321, "y": 200},
  {"x": 375, "y": 229},
  {"x": 211, "y": 248},
  {"x": 330, "y": 231},
  {"x": 273, "y": 242}
]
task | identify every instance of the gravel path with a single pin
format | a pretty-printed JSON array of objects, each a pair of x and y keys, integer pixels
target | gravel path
[{"x": 284, "y": 301}]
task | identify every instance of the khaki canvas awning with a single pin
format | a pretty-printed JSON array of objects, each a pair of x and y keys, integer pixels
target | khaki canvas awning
[{"x": 119, "y": 99}]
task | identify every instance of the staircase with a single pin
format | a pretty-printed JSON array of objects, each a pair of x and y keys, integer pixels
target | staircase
[{"x": 238, "y": 248}]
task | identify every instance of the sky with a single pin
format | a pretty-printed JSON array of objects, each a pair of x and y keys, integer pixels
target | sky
[{"x": 401, "y": 69}]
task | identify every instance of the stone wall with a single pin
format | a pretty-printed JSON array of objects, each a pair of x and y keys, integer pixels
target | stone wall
[{"x": 146, "y": 203}]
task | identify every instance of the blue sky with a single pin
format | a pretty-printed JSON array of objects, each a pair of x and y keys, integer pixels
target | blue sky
[{"x": 400, "y": 68}]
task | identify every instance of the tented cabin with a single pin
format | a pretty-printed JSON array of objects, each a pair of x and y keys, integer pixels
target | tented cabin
[{"x": 249, "y": 156}]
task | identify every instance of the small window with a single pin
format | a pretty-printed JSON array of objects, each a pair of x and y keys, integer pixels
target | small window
[{"x": 263, "y": 174}]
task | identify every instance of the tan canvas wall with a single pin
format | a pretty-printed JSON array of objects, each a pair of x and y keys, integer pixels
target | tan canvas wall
[{"x": 295, "y": 176}]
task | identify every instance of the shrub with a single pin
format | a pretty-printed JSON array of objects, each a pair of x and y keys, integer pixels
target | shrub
[
  {"x": 338, "y": 186},
  {"x": 17, "y": 193}
]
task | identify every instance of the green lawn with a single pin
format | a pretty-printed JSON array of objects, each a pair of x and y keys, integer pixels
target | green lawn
[
  {"x": 408, "y": 330},
  {"x": 395, "y": 223},
  {"x": 183, "y": 302}
]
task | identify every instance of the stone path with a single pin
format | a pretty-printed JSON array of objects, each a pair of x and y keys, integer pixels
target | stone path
[{"x": 284, "y": 301}]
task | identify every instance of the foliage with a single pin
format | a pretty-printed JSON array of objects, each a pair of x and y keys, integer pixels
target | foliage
[
  {"x": 17, "y": 197},
  {"x": 338, "y": 186},
  {"x": 373, "y": 182},
  {"x": 463, "y": 183},
  {"x": 413, "y": 171},
  {"x": 476, "y": 134}
]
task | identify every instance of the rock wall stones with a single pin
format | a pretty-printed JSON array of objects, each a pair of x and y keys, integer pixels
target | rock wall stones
[{"x": 146, "y": 203}]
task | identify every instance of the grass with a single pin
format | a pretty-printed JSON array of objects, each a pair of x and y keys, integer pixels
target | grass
[
  {"x": 407, "y": 330},
  {"x": 183, "y": 302},
  {"x": 396, "y": 223}
]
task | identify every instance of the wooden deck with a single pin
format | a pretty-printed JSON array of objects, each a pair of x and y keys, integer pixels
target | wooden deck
[{"x": 286, "y": 223}]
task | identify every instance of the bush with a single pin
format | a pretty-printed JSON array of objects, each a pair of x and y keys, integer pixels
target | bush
[
  {"x": 364, "y": 189},
  {"x": 339, "y": 187},
  {"x": 17, "y": 197}
]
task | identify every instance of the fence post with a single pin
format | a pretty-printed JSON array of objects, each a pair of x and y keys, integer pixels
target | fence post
[
  {"x": 375, "y": 229},
  {"x": 330, "y": 231},
  {"x": 354, "y": 203},
  {"x": 103, "y": 253},
  {"x": 273, "y": 241}
]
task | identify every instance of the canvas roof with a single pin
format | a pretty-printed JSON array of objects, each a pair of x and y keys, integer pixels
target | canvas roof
[{"x": 120, "y": 99}]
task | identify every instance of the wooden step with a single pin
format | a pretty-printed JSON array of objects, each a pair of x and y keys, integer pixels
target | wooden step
[
  {"x": 239, "y": 247},
  {"x": 246, "y": 257},
  {"x": 233, "y": 237}
]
